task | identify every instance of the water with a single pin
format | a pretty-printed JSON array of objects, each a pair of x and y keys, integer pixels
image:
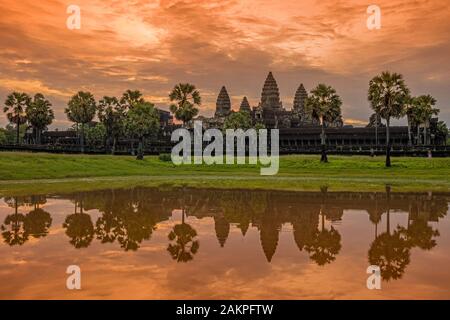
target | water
[{"x": 189, "y": 244}]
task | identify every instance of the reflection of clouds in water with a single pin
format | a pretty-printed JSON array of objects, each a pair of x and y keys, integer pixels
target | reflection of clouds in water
[{"x": 239, "y": 269}]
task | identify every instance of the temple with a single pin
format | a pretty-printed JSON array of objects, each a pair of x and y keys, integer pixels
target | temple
[
  {"x": 299, "y": 130},
  {"x": 269, "y": 111}
]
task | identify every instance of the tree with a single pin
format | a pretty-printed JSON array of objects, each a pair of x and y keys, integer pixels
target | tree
[
  {"x": 325, "y": 105},
  {"x": 414, "y": 114},
  {"x": 411, "y": 116},
  {"x": 81, "y": 110},
  {"x": 130, "y": 98},
  {"x": 96, "y": 135},
  {"x": 441, "y": 131},
  {"x": 387, "y": 95},
  {"x": 15, "y": 106},
  {"x": 238, "y": 120},
  {"x": 141, "y": 121},
  {"x": 3, "y": 136},
  {"x": 10, "y": 133},
  {"x": 424, "y": 111},
  {"x": 111, "y": 114},
  {"x": 187, "y": 97},
  {"x": 39, "y": 115}
]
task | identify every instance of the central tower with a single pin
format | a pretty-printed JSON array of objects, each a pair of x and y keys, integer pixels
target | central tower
[
  {"x": 270, "y": 96},
  {"x": 223, "y": 104}
]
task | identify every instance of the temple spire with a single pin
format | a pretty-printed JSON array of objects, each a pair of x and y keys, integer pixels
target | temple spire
[
  {"x": 245, "y": 106},
  {"x": 270, "y": 96},
  {"x": 223, "y": 104},
  {"x": 300, "y": 98}
]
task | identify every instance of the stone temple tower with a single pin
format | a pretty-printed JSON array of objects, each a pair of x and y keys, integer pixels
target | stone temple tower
[
  {"x": 245, "y": 106},
  {"x": 270, "y": 97},
  {"x": 223, "y": 104},
  {"x": 299, "y": 104},
  {"x": 299, "y": 107},
  {"x": 299, "y": 100}
]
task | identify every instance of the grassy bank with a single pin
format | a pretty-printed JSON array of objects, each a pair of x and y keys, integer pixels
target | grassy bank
[{"x": 26, "y": 172}]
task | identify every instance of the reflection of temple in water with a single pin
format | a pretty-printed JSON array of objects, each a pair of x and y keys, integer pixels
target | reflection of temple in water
[{"x": 129, "y": 217}]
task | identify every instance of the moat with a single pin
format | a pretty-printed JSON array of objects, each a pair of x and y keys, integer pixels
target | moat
[{"x": 238, "y": 244}]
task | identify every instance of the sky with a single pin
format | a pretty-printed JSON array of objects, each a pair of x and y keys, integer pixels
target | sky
[{"x": 152, "y": 45}]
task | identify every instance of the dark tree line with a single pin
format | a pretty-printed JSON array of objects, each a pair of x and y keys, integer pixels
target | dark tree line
[{"x": 133, "y": 117}]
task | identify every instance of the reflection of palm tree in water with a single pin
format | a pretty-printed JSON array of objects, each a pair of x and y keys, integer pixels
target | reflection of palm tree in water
[
  {"x": 183, "y": 244},
  {"x": 390, "y": 251},
  {"x": 418, "y": 232},
  {"x": 375, "y": 214},
  {"x": 323, "y": 245},
  {"x": 127, "y": 220},
  {"x": 16, "y": 235},
  {"x": 36, "y": 223},
  {"x": 421, "y": 235},
  {"x": 79, "y": 227}
]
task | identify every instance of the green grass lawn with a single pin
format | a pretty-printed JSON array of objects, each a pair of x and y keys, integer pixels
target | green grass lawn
[{"x": 32, "y": 171}]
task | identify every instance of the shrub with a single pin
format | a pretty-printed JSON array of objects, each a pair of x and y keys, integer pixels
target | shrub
[{"x": 165, "y": 157}]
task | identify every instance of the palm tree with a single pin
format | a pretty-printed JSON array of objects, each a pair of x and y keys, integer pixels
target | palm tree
[
  {"x": 424, "y": 108},
  {"x": 442, "y": 131},
  {"x": 410, "y": 113},
  {"x": 414, "y": 113},
  {"x": 39, "y": 115},
  {"x": 15, "y": 106},
  {"x": 187, "y": 97},
  {"x": 112, "y": 114},
  {"x": 387, "y": 95},
  {"x": 325, "y": 106},
  {"x": 81, "y": 110},
  {"x": 142, "y": 120},
  {"x": 131, "y": 98}
]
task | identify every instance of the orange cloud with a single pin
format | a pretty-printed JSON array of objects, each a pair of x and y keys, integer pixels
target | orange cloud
[{"x": 151, "y": 45}]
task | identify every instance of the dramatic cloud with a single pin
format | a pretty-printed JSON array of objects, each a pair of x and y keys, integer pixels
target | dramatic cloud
[{"x": 151, "y": 45}]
